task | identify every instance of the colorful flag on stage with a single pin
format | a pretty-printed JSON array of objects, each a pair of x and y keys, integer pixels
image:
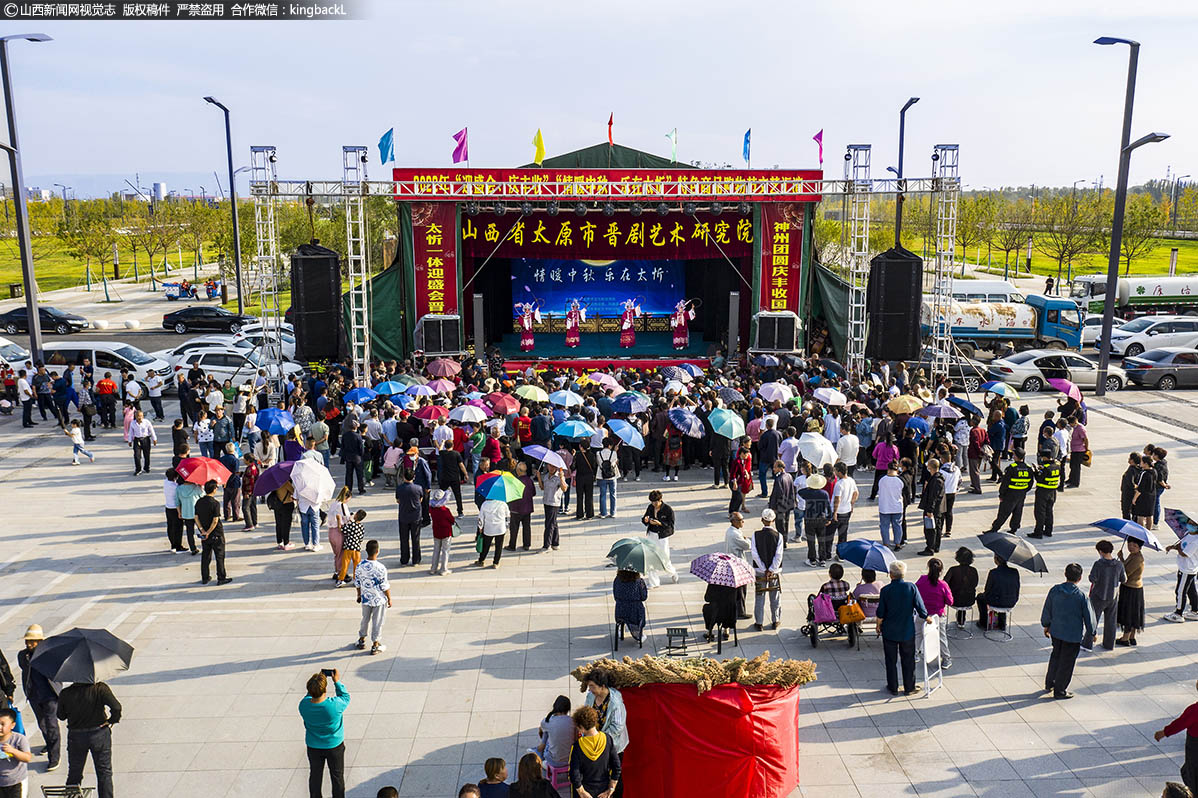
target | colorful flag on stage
[
  {"x": 748, "y": 133},
  {"x": 461, "y": 150},
  {"x": 387, "y": 146},
  {"x": 818, "y": 138},
  {"x": 610, "y": 141},
  {"x": 673, "y": 137},
  {"x": 538, "y": 142}
]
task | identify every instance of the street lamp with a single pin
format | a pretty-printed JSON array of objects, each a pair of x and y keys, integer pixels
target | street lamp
[
  {"x": 898, "y": 202},
  {"x": 233, "y": 203},
  {"x": 64, "y": 199},
  {"x": 1176, "y": 184},
  {"x": 1126, "y": 147},
  {"x": 13, "y": 148}
]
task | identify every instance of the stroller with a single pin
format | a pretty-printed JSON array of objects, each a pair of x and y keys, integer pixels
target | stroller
[{"x": 823, "y": 617}]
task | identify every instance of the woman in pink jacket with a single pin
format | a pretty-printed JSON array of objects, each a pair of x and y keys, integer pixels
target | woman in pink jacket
[{"x": 937, "y": 597}]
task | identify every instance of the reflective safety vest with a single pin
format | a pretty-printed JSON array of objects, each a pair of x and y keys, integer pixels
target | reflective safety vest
[
  {"x": 1049, "y": 476},
  {"x": 1018, "y": 477}
]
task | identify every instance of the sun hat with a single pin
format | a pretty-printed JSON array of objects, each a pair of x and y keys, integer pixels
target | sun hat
[
  {"x": 816, "y": 481},
  {"x": 34, "y": 632}
]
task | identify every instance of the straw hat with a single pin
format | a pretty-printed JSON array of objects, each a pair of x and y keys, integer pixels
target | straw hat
[
  {"x": 816, "y": 481},
  {"x": 34, "y": 632}
]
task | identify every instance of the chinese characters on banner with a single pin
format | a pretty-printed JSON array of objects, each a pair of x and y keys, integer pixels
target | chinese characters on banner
[
  {"x": 781, "y": 256},
  {"x": 434, "y": 246}
]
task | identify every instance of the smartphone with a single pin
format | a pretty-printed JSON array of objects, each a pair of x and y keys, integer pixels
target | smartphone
[{"x": 328, "y": 672}]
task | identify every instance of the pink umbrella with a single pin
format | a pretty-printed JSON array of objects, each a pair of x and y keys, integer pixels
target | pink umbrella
[
  {"x": 443, "y": 368},
  {"x": 442, "y": 385},
  {"x": 431, "y": 412},
  {"x": 479, "y": 403},
  {"x": 1066, "y": 387},
  {"x": 606, "y": 380},
  {"x": 503, "y": 403}
]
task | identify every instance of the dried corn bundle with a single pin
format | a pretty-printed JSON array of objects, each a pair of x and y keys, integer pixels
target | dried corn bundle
[{"x": 702, "y": 672}]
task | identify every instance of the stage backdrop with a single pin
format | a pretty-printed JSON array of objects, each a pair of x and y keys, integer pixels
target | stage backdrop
[{"x": 602, "y": 285}]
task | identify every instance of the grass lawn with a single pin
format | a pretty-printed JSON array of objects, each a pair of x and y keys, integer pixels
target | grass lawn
[
  {"x": 1155, "y": 262},
  {"x": 63, "y": 270}
]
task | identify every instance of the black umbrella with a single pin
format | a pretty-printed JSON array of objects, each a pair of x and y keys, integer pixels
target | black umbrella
[
  {"x": 1015, "y": 550},
  {"x": 730, "y": 395},
  {"x": 82, "y": 655}
]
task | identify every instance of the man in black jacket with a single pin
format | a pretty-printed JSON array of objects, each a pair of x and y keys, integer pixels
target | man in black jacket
[
  {"x": 932, "y": 505},
  {"x": 1002, "y": 590},
  {"x": 90, "y": 710},
  {"x": 585, "y": 465},
  {"x": 40, "y": 693},
  {"x": 353, "y": 450}
]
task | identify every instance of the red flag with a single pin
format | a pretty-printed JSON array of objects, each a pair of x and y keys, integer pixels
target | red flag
[{"x": 609, "y": 121}]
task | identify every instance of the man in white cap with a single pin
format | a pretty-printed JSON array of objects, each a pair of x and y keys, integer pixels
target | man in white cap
[{"x": 41, "y": 694}]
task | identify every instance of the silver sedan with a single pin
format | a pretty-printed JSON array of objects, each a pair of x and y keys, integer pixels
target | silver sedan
[{"x": 1031, "y": 370}]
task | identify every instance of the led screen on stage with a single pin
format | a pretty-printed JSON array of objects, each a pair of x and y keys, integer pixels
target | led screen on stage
[{"x": 602, "y": 284}]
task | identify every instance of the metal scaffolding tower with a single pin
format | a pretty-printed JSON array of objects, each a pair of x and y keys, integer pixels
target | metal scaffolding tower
[
  {"x": 355, "y": 186},
  {"x": 859, "y": 189},
  {"x": 267, "y": 270},
  {"x": 947, "y": 188}
]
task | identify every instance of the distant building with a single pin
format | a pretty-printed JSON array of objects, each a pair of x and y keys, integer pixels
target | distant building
[{"x": 35, "y": 194}]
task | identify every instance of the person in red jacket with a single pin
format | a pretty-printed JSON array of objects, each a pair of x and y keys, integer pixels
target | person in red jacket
[
  {"x": 1187, "y": 720},
  {"x": 442, "y": 517}
]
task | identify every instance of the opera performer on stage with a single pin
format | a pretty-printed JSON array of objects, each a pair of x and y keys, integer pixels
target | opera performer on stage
[
  {"x": 627, "y": 330},
  {"x": 529, "y": 314},
  {"x": 680, "y": 323},
  {"x": 575, "y": 316}
]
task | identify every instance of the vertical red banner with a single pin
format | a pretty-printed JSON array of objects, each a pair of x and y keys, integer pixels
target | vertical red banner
[
  {"x": 781, "y": 256},
  {"x": 435, "y": 251}
]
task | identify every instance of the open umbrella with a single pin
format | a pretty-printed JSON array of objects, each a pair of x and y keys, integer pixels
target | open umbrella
[
  {"x": 775, "y": 392},
  {"x": 499, "y": 485},
  {"x": 502, "y": 403},
  {"x": 565, "y": 398},
  {"x": 675, "y": 373},
  {"x": 1066, "y": 387},
  {"x": 409, "y": 379},
  {"x": 292, "y": 450},
  {"x": 675, "y": 386},
  {"x": 920, "y": 427},
  {"x": 965, "y": 405},
  {"x": 938, "y": 411},
  {"x": 630, "y": 402},
  {"x": 482, "y": 405},
  {"x": 312, "y": 481},
  {"x": 273, "y": 478},
  {"x": 866, "y": 554},
  {"x": 604, "y": 379},
  {"x": 830, "y": 397},
  {"x": 360, "y": 395},
  {"x": 1000, "y": 388},
  {"x": 432, "y": 412},
  {"x": 390, "y": 388},
  {"x": 442, "y": 385},
  {"x": 766, "y": 360},
  {"x": 730, "y": 395},
  {"x": 627, "y": 433},
  {"x": 904, "y": 403},
  {"x": 442, "y": 367},
  {"x": 468, "y": 414},
  {"x": 532, "y": 393},
  {"x": 572, "y": 428},
  {"x": 546, "y": 456},
  {"x": 1129, "y": 530},
  {"x": 686, "y": 422},
  {"x": 816, "y": 449},
  {"x": 198, "y": 470},
  {"x": 400, "y": 400},
  {"x": 719, "y": 568},
  {"x": 638, "y": 554},
  {"x": 726, "y": 424},
  {"x": 833, "y": 365},
  {"x": 82, "y": 655},
  {"x": 274, "y": 421},
  {"x": 420, "y": 390},
  {"x": 1015, "y": 550},
  {"x": 1179, "y": 522},
  {"x": 691, "y": 369}
]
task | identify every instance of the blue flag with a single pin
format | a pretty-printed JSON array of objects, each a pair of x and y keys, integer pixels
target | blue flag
[
  {"x": 387, "y": 146},
  {"x": 746, "y": 154}
]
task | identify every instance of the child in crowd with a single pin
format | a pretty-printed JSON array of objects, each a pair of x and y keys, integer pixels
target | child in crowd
[
  {"x": 495, "y": 784},
  {"x": 442, "y": 517},
  {"x": 75, "y": 433},
  {"x": 352, "y": 535}
]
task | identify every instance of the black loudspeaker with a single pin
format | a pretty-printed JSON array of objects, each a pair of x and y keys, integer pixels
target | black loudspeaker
[
  {"x": 892, "y": 303},
  {"x": 316, "y": 302},
  {"x": 776, "y": 332},
  {"x": 437, "y": 334}
]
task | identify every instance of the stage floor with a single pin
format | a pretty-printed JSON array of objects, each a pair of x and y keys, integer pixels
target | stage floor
[{"x": 604, "y": 346}]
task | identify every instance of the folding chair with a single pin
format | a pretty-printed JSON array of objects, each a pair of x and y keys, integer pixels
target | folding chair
[{"x": 676, "y": 641}]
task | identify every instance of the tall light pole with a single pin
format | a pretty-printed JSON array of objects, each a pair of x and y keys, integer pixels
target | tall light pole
[
  {"x": 64, "y": 199},
  {"x": 13, "y": 148},
  {"x": 1126, "y": 147},
  {"x": 898, "y": 201},
  {"x": 233, "y": 203},
  {"x": 1176, "y": 184}
]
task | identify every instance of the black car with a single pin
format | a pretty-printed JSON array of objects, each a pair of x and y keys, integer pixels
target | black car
[
  {"x": 965, "y": 373},
  {"x": 204, "y": 317},
  {"x": 1166, "y": 368},
  {"x": 17, "y": 320}
]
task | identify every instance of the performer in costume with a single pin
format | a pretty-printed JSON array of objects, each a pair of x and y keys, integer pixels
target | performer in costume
[
  {"x": 680, "y": 323},
  {"x": 575, "y": 316},
  {"x": 529, "y": 314},
  {"x": 627, "y": 330}
]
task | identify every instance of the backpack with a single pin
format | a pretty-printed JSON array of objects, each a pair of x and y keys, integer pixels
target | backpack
[{"x": 607, "y": 467}]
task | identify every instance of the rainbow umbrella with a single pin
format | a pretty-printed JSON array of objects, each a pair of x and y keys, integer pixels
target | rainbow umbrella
[{"x": 499, "y": 485}]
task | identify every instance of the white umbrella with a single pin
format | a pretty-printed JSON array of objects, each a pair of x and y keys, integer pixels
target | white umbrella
[
  {"x": 312, "y": 482},
  {"x": 830, "y": 397},
  {"x": 468, "y": 414},
  {"x": 775, "y": 392},
  {"x": 676, "y": 387},
  {"x": 816, "y": 449}
]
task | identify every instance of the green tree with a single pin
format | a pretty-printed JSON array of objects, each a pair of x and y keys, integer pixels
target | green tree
[
  {"x": 1013, "y": 226},
  {"x": 975, "y": 218},
  {"x": 1069, "y": 225},
  {"x": 1143, "y": 220},
  {"x": 92, "y": 235}
]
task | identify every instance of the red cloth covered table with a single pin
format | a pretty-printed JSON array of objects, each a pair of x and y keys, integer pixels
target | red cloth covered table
[{"x": 734, "y": 741}]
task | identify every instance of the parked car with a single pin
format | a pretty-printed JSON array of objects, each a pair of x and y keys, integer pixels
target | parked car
[
  {"x": 965, "y": 373},
  {"x": 1092, "y": 327},
  {"x": 60, "y": 321},
  {"x": 173, "y": 354},
  {"x": 230, "y": 363},
  {"x": 204, "y": 317},
  {"x": 105, "y": 356},
  {"x": 1153, "y": 332},
  {"x": 256, "y": 338},
  {"x": 13, "y": 355},
  {"x": 1166, "y": 368},
  {"x": 1031, "y": 370},
  {"x": 258, "y": 326}
]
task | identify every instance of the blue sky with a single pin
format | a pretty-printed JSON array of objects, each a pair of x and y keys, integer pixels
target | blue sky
[{"x": 1018, "y": 85}]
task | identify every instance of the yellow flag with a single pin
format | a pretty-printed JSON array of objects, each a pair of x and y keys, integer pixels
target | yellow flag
[{"x": 539, "y": 156}]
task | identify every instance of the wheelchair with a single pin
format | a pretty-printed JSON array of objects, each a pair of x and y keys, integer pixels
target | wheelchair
[{"x": 813, "y": 630}]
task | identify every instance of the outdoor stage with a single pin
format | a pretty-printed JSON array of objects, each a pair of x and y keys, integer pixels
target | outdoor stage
[{"x": 604, "y": 345}]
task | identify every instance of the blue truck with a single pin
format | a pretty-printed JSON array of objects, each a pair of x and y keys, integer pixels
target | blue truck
[{"x": 1039, "y": 322}]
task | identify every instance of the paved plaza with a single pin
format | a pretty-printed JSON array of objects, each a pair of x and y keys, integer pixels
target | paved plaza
[{"x": 475, "y": 658}]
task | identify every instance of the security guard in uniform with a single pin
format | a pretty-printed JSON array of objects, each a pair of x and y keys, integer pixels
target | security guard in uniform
[
  {"x": 1048, "y": 481},
  {"x": 1016, "y": 482}
]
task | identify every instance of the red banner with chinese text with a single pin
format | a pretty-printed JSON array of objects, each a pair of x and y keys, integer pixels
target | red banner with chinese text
[
  {"x": 434, "y": 247},
  {"x": 599, "y": 237},
  {"x": 781, "y": 256}
]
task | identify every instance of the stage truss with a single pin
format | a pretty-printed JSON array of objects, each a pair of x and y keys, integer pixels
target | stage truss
[
  {"x": 267, "y": 268},
  {"x": 947, "y": 185},
  {"x": 856, "y": 178},
  {"x": 353, "y": 164}
]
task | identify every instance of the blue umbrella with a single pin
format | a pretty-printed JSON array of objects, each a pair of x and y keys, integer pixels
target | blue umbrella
[
  {"x": 475, "y": 395},
  {"x": 573, "y": 428},
  {"x": 420, "y": 390},
  {"x": 361, "y": 395},
  {"x": 866, "y": 554},
  {"x": 675, "y": 373},
  {"x": 400, "y": 400},
  {"x": 629, "y": 403},
  {"x": 1129, "y": 530},
  {"x": 390, "y": 388},
  {"x": 767, "y": 360},
  {"x": 964, "y": 405},
  {"x": 274, "y": 421},
  {"x": 565, "y": 398},
  {"x": 692, "y": 369},
  {"x": 938, "y": 411},
  {"x": 686, "y": 422},
  {"x": 627, "y": 433},
  {"x": 921, "y": 427}
]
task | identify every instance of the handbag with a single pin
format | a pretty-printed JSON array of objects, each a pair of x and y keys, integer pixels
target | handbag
[
  {"x": 824, "y": 611},
  {"x": 478, "y": 543},
  {"x": 19, "y": 728},
  {"x": 1088, "y": 458},
  {"x": 455, "y": 530},
  {"x": 851, "y": 613},
  {"x": 89, "y": 411}
]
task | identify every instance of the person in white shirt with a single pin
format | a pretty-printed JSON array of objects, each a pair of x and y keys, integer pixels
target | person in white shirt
[
  {"x": 133, "y": 392},
  {"x": 76, "y": 435},
  {"x": 847, "y": 448},
  {"x": 25, "y": 394},
  {"x": 309, "y": 520},
  {"x": 844, "y": 497},
  {"x": 952, "y": 480},
  {"x": 441, "y": 434},
  {"x": 961, "y": 440},
  {"x": 202, "y": 430},
  {"x": 214, "y": 399},
  {"x": 1187, "y": 578},
  {"x": 154, "y": 387},
  {"x": 736, "y": 544},
  {"x": 788, "y": 451},
  {"x": 890, "y": 506},
  {"x": 832, "y": 426},
  {"x": 141, "y": 437}
]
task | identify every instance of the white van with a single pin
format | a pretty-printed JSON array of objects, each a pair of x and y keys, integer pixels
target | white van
[
  {"x": 105, "y": 356},
  {"x": 13, "y": 355},
  {"x": 985, "y": 291}
]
